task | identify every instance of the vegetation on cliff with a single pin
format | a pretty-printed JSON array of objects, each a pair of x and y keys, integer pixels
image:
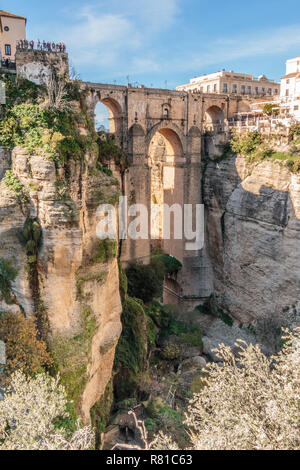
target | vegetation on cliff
[
  {"x": 71, "y": 357},
  {"x": 7, "y": 274},
  {"x": 23, "y": 349},
  {"x": 30, "y": 122},
  {"x": 254, "y": 146},
  {"x": 33, "y": 413},
  {"x": 249, "y": 402},
  {"x": 58, "y": 127}
]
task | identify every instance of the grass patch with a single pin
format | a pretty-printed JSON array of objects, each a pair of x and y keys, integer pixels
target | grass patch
[
  {"x": 105, "y": 250},
  {"x": 71, "y": 356}
]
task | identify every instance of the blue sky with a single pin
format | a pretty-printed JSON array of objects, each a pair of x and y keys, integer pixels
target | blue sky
[{"x": 154, "y": 41}]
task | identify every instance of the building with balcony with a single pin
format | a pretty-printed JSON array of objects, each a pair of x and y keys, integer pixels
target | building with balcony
[
  {"x": 290, "y": 89},
  {"x": 12, "y": 30},
  {"x": 232, "y": 83}
]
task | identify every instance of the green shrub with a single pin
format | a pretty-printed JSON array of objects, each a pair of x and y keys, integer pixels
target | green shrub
[
  {"x": 105, "y": 250},
  {"x": 13, "y": 183},
  {"x": 123, "y": 282},
  {"x": 158, "y": 314},
  {"x": 294, "y": 130},
  {"x": 131, "y": 350},
  {"x": 271, "y": 108},
  {"x": 71, "y": 356},
  {"x": 143, "y": 282},
  {"x": 100, "y": 413},
  {"x": 182, "y": 335},
  {"x": 106, "y": 171},
  {"x": 23, "y": 349},
  {"x": 7, "y": 274},
  {"x": 171, "y": 351},
  {"x": 170, "y": 263},
  {"x": 151, "y": 332},
  {"x": 193, "y": 338},
  {"x": 30, "y": 236},
  {"x": 246, "y": 144},
  {"x": 108, "y": 149},
  {"x": 151, "y": 425},
  {"x": 29, "y": 124},
  {"x": 226, "y": 318}
]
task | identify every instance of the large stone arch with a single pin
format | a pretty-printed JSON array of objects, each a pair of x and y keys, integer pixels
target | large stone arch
[
  {"x": 172, "y": 133},
  {"x": 166, "y": 161}
]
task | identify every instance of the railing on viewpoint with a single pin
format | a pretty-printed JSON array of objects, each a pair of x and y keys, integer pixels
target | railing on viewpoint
[{"x": 7, "y": 64}]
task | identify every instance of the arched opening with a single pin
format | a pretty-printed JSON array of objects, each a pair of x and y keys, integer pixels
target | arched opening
[
  {"x": 167, "y": 185},
  {"x": 101, "y": 118},
  {"x": 108, "y": 124},
  {"x": 214, "y": 119},
  {"x": 108, "y": 116}
]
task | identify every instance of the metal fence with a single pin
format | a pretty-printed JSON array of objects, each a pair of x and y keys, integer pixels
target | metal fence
[{"x": 7, "y": 64}]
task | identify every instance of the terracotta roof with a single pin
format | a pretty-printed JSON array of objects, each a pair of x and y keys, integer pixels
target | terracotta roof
[
  {"x": 11, "y": 15},
  {"x": 292, "y": 75}
]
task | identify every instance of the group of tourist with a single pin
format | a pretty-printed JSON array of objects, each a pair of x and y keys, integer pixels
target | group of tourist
[{"x": 41, "y": 46}]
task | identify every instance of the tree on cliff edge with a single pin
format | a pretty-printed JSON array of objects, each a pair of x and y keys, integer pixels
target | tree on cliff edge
[
  {"x": 33, "y": 414},
  {"x": 249, "y": 403}
]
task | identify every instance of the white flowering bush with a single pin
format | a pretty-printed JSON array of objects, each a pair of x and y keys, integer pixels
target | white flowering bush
[
  {"x": 28, "y": 414},
  {"x": 250, "y": 402}
]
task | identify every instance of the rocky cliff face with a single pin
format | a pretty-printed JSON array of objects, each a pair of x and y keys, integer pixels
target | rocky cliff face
[
  {"x": 253, "y": 236},
  {"x": 73, "y": 286}
]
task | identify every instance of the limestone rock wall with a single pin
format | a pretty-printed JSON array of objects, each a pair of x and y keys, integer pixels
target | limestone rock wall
[
  {"x": 253, "y": 237},
  {"x": 71, "y": 280},
  {"x": 37, "y": 65}
]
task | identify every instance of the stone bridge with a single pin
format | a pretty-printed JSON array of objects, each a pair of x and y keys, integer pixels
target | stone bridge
[
  {"x": 161, "y": 131},
  {"x": 165, "y": 133}
]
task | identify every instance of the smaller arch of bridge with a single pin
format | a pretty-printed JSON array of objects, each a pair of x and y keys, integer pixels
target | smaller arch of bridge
[
  {"x": 136, "y": 130},
  {"x": 194, "y": 132},
  {"x": 214, "y": 118},
  {"x": 115, "y": 114}
]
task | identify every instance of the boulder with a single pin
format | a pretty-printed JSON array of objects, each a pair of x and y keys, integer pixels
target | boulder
[{"x": 192, "y": 364}]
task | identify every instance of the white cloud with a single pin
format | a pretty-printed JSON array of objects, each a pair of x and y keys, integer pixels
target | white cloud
[
  {"x": 156, "y": 14},
  {"x": 114, "y": 38},
  {"x": 119, "y": 40},
  {"x": 270, "y": 42}
]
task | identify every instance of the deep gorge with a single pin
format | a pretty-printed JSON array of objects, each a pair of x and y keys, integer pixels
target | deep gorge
[{"x": 114, "y": 350}]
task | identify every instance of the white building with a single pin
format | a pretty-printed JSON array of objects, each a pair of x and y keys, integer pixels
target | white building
[
  {"x": 232, "y": 82},
  {"x": 290, "y": 88}
]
